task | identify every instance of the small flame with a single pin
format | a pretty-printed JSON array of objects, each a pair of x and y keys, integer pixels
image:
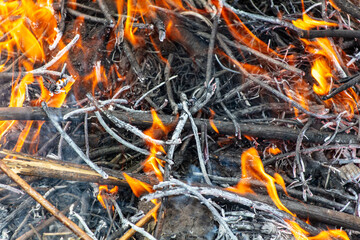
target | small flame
[
  {"x": 252, "y": 168},
  {"x": 332, "y": 3},
  {"x": 273, "y": 150},
  {"x": 138, "y": 188},
  {"x": 301, "y": 234},
  {"x": 104, "y": 191},
  {"x": 157, "y": 131},
  {"x": 240, "y": 32},
  {"x": 212, "y": 121}
]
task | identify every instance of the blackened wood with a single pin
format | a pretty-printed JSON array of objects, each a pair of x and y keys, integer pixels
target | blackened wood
[
  {"x": 144, "y": 120},
  {"x": 348, "y": 7},
  {"x": 309, "y": 34}
]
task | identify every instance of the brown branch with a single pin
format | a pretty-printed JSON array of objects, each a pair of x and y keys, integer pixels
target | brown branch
[
  {"x": 43, "y": 167},
  {"x": 347, "y": 7},
  {"x": 45, "y": 203},
  {"x": 144, "y": 120},
  {"x": 315, "y": 213},
  {"x": 141, "y": 222}
]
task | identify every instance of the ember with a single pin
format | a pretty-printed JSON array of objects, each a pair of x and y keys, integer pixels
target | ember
[{"x": 172, "y": 102}]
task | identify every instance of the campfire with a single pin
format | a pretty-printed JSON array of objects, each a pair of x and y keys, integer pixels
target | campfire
[{"x": 179, "y": 119}]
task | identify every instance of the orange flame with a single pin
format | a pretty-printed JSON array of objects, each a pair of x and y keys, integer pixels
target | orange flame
[
  {"x": 157, "y": 131},
  {"x": 103, "y": 190},
  {"x": 212, "y": 121},
  {"x": 308, "y": 23},
  {"x": 301, "y": 234},
  {"x": 273, "y": 150},
  {"x": 326, "y": 59},
  {"x": 252, "y": 168},
  {"x": 28, "y": 27},
  {"x": 322, "y": 73},
  {"x": 138, "y": 188}
]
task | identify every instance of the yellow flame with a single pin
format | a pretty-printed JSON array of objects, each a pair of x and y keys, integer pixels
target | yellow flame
[{"x": 103, "y": 190}]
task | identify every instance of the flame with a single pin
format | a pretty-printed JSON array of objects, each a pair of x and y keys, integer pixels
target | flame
[
  {"x": 307, "y": 23},
  {"x": 138, "y": 188},
  {"x": 301, "y": 234},
  {"x": 28, "y": 27},
  {"x": 212, "y": 121},
  {"x": 133, "y": 9},
  {"x": 273, "y": 150},
  {"x": 157, "y": 130},
  {"x": 96, "y": 77},
  {"x": 104, "y": 191},
  {"x": 326, "y": 67},
  {"x": 241, "y": 33},
  {"x": 332, "y": 3},
  {"x": 34, "y": 25},
  {"x": 322, "y": 73},
  {"x": 252, "y": 168}
]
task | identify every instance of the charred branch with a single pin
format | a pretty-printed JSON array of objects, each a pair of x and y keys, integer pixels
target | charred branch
[{"x": 225, "y": 127}]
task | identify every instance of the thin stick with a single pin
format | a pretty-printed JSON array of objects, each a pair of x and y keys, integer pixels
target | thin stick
[
  {"x": 311, "y": 150},
  {"x": 212, "y": 43},
  {"x": 298, "y": 159},
  {"x": 353, "y": 80},
  {"x": 118, "y": 138},
  {"x": 169, "y": 91},
  {"x": 59, "y": 54},
  {"x": 198, "y": 145},
  {"x": 141, "y": 222},
  {"x": 86, "y": 17},
  {"x": 106, "y": 13},
  {"x": 126, "y": 223},
  {"x": 72, "y": 143},
  {"x": 112, "y": 133},
  {"x": 261, "y": 18},
  {"x": 45, "y": 203},
  {"x": 262, "y": 56},
  {"x": 135, "y": 130}
]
